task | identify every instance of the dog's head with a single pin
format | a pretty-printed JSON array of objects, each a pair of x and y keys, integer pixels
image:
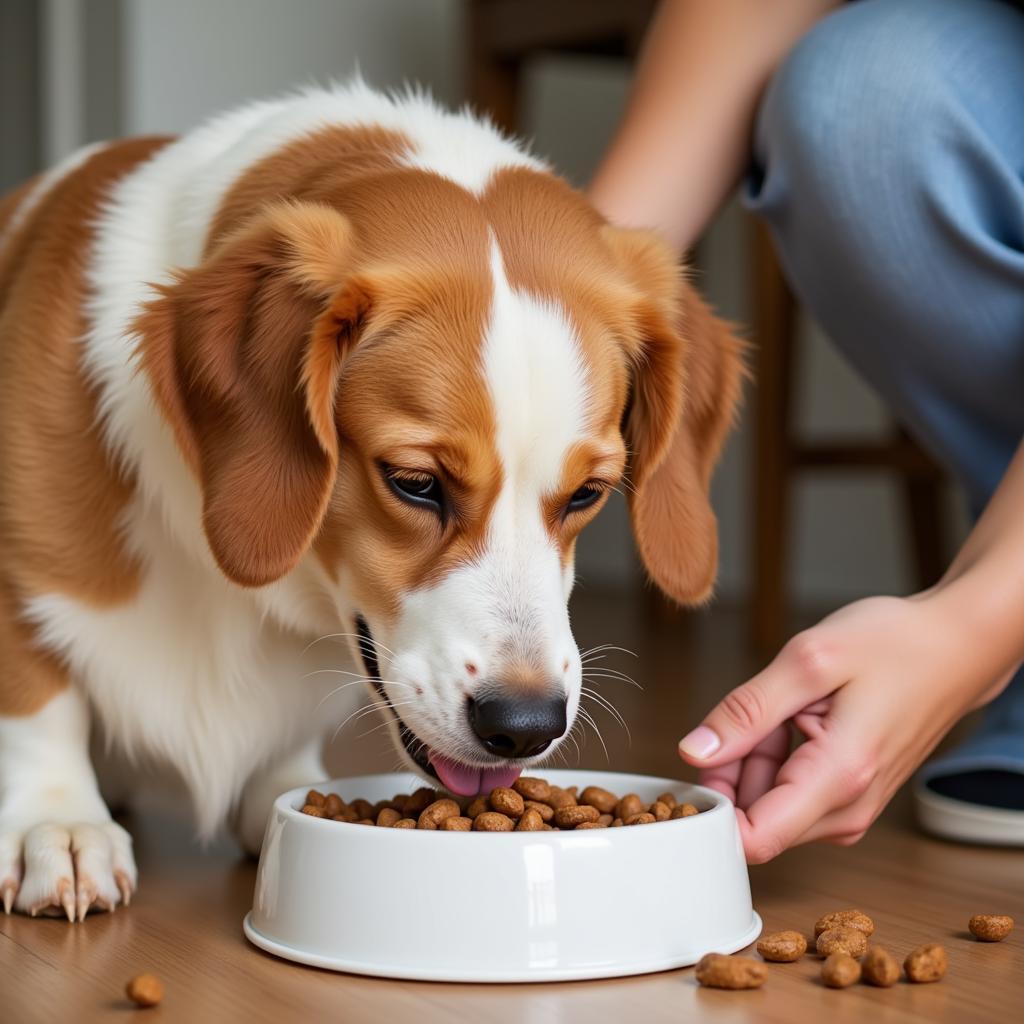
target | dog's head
[{"x": 425, "y": 395}]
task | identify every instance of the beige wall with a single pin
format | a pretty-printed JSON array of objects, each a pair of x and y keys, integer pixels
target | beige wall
[{"x": 186, "y": 59}]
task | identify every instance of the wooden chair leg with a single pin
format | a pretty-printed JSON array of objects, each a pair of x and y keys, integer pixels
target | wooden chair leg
[
  {"x": 924, "y": 500},
  {"x": 774, "y": 326},
  {"x": 492, "y": 82}
]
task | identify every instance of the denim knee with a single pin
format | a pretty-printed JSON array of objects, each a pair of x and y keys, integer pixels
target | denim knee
[
  {"x": 887, "y": 165},
  {"x": 861, "y": 126}
]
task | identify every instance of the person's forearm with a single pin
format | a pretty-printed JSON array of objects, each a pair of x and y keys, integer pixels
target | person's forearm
[
  {"x": 685, "y": 137},
  {"x": 984, "y": 586}
]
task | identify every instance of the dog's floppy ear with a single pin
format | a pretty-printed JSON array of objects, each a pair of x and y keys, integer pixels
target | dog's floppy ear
[
  {"x": 687, "y": 370},
  {"x": 243, "y": 353}
]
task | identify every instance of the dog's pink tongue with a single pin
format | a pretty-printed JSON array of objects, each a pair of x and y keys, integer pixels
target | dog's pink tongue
[
  {"x": 463, "y": 780},
  {"x": 491, "y": 777}
]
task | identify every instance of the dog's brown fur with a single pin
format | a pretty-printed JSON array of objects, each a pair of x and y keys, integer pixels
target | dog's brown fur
[{"x": 61, "y": 491}]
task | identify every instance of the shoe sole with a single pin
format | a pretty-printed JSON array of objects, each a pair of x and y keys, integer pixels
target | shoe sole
[{"x": 965, "y": 822}]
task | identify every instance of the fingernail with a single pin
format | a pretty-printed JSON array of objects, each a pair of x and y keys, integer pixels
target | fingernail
[{"x": 700, "y": 743}]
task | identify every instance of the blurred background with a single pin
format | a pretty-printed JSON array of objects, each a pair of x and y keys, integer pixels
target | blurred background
[{"x": 819, "y": 501}]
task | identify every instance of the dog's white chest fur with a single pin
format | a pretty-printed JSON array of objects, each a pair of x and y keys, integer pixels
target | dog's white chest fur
[{"x": 191, "y": 673}]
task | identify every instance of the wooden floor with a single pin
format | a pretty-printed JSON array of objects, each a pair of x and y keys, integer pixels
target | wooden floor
[{"x": 185, "y": 924}]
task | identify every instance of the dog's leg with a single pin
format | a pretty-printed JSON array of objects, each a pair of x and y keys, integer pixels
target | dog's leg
[
  {"x": 302, "y": 767},
  {"x": 60, "y": 852}
]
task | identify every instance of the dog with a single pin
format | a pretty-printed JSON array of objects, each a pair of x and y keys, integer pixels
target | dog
[{"x": 336, "y": 364}]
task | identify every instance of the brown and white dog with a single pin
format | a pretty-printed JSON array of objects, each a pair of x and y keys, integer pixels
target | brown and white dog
[{"x": 336, "y": 364}]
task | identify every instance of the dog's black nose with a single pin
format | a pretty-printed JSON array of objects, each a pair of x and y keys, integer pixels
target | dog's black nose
[{"x": 517, "y": 726}]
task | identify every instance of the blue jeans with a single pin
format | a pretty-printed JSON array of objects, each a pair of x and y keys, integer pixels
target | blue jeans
[{"x": 889, "y": 167}]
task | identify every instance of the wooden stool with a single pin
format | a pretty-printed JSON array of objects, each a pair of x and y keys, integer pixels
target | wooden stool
[
  {"x": 503, "y": 34},
  {"x": 779, "y": 456}
]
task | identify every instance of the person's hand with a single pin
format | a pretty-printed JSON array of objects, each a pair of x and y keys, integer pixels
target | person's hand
[{"x": 873, "y": 688}]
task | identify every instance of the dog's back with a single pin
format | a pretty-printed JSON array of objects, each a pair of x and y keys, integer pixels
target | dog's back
[{"x": 61, "y": 494}]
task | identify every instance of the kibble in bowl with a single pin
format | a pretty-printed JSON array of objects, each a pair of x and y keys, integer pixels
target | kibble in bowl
[
  {"x": 530, "y": 805},
  {"x": 398, "y": 897}
]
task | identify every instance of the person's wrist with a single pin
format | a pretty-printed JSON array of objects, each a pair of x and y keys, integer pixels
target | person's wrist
[{"x": 977, "y": 616}]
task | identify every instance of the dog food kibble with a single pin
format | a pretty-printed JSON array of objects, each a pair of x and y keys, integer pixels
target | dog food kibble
[
  {"x": 595, "y": 796},
  {"x": 492, "y": 821},
  {"x": 718, "y": 971},
  {"x": 629, "y": 805},
  {"x": 388, "y": 817},
  {"x": 480, "y": 804},
  {"x": 782, "y": 947},
  {"x": 145, "y": 990},
  {"x": 530, "y": 821},
  {"x": 507, "y": 801},
  {"x": 528, "y": 805},
  {"x": 926, "y": 963},
  {"x": 683, "y": 811},
  {"x": 840, "y": 970},
  {"x": 845, "y": 919},
  {"x": 546, "y": 811},
  {"x": 433, "y": 814},
  {"x": 532, "y": 789},
  {"x": 643, "y": 818},
  {"x": 363, "y": 810},
  {"x": 880, "y": 967},
  {"x": 416, "y": 804},
  {"x": 990, "y": 927},
  {"x": 456, "y": 823},
  {"x": 559, "y": 798},
  {"x": 661, "y": 811},
  {"x": 842, "y": 940},
  {"x": 577, "y": 814}
]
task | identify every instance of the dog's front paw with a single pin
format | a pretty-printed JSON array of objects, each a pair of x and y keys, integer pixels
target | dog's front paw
[{"x": 53, "y": 869}]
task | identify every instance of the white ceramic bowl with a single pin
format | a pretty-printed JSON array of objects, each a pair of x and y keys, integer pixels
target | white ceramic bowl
[{"x": 512, "y": 906}]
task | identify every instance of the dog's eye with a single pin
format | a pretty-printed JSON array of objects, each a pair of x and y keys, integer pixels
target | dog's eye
[
  {"x": 421, "y": 489},
  {"x": 583, "y": 497}
]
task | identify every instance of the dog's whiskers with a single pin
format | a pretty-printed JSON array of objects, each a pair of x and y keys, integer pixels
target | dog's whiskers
[
  {"x": 369, "y": 710},
  {"x": 593, "y": 674},
  {"x": 588, "y": 719},
  {"x": 366, "y": 709},
  {"x": 368, "y": 680},
  {"x": 350, "y": 636},
  {"x": 382, "y": 725},
  {"x": 584, "y": 655},
  {"x": 607, "y": 705},
  {"x": 346, "y": 672},
  {"x": 570, "y": 736}
]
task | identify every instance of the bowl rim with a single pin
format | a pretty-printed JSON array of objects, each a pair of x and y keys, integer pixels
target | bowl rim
[{"x": 285, "y": 804}]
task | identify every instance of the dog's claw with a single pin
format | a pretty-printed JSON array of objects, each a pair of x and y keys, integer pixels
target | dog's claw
[
  {"x": 66, "y": 871},
  {"x": 125, "y": 885},
  {"x": 86, "y": 898},
  {"x": 67, "y": 899}
]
